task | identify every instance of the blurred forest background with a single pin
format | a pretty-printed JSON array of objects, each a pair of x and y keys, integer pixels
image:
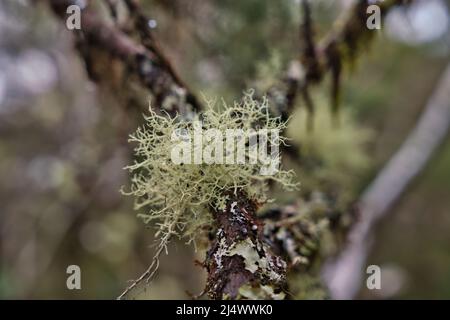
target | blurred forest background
[{"x": 63, "y": 141}]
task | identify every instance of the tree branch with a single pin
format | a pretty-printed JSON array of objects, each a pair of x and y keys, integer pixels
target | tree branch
[
  {"x": 146, "y": 60},
  {"x": 240, "y": 264},
  {"x": 343, "y": 275},
  {"x": 328, "y": 56}
]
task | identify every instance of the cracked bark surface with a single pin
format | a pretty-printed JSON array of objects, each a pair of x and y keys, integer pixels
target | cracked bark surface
[{"x": 240, "y": 264}]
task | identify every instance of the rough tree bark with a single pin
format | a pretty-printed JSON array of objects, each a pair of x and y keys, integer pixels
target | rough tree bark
[{"x": 240, "y": 264}]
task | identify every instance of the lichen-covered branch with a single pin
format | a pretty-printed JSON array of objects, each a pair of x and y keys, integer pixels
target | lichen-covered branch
[
  {"x": 247, "y": 259},
  {"x": 180, "y": 187},
  {"x": 329, "y": 55},
  {"x": 144, "y": 61},
  {"x": 240, "y": 264}
]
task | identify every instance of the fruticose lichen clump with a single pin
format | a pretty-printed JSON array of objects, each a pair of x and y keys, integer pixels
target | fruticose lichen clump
[{"x": 178, "y": 196}]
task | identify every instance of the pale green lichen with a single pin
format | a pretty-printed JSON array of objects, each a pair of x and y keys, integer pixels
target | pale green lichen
[
  {"x": 257, "y": 260},
  {"x": 178, "y": 198},
  {"x": 254, "y": 256},
  {"x": 301, "y": 230},
  {"x": 333, "y": 150}
]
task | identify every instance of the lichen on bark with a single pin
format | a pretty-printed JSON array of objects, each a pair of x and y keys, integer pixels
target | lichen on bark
[{"x": 240, "y": 264}]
